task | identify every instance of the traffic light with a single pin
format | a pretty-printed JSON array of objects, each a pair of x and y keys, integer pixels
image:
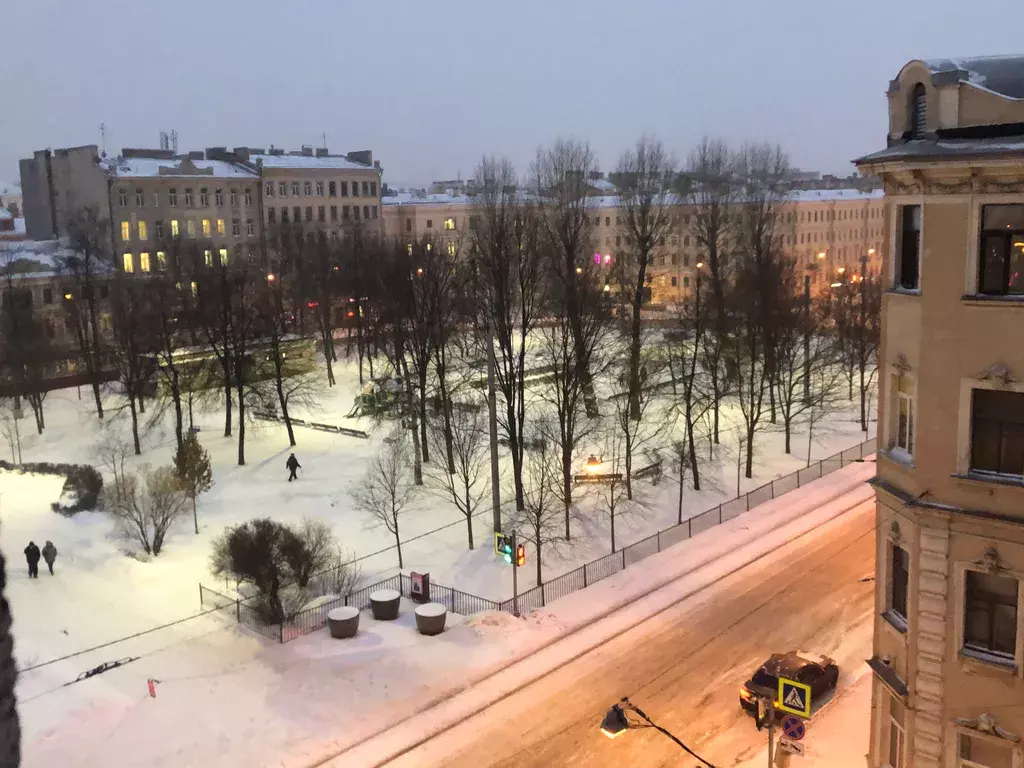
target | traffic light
[{"x": 520, "y": 554}]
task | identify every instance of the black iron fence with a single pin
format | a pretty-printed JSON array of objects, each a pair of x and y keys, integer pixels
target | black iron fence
[{"x": 244, "y": 610}]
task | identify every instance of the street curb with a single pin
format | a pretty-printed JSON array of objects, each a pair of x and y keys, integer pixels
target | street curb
[{"x": 616, "y": 607}]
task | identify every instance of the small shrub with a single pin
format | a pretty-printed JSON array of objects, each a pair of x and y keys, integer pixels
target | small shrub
[{"x": 82, "y": 484}]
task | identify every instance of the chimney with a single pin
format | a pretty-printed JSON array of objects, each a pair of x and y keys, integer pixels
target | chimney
[
  {"x": 321, "y": 151},
  {"x": 217, "y": 153},
  {"x": 195, "y": 155},
  {"x": 363, "y": 156},
  {"x": 242, "y": 153},
  {"x": 307, "y": 150}
]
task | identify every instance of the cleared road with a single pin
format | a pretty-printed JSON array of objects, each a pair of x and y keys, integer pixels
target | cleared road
[{"x": 684, "y": 666}]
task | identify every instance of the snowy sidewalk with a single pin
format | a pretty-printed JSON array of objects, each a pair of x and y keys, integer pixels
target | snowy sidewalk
[{"x": 624, "y": 600}]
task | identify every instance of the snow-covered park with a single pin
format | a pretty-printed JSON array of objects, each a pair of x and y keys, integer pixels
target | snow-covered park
[{"x": 104, "y": 589}]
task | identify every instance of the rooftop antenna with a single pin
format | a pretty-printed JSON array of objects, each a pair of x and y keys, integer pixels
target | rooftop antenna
[
  {"x": 103, "y": 139},
  {"x": 165, "y": 141},
  {"x": 174, "y": 141},
  {"x": 325, "y": 140}
]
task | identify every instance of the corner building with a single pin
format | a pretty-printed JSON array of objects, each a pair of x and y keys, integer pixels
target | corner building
[{"x": 948, "y": 656}]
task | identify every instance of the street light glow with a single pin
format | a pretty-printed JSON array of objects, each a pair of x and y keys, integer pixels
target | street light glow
[
  {"x": 841, "y": 270},
  {"x": 579, "y": 270},
  {"x": 271, "y": 277},
  {"x": 614, "y": 723},
  {"x": 700, "y": 265},
  {"x": 821, "y": 255},
  {"x": 871, "y": 251}
]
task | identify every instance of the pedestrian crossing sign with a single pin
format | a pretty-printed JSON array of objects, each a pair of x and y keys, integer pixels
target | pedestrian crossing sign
[{"x": 794, "y": 697}]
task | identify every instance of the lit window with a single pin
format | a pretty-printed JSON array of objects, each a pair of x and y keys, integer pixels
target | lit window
[
  {"x": 451, "y": 249},
  {"x": 143, "y": 231},
  {"x": 204, "y": 197},
  {"x": 449, "y": 224},
  {"x": 126, "y": 231},
  {"x": 175, "y": 231},
  {"x": 218, "y": 197},
  {"x": 307, "y": 188},
  {"x": 208, "y": 257},
  {"x": 144, "y": 261},
  {"x": 223, "y": 256},
  {"x": 190, "y": 225},
  {"x": 161, "y": 260},
  {"x": 140, "y": 198},
  {"x": 408, "y": 249},
  {"x": 220, "y": 226},
  {"x": 126, "y": 263},
  {"x": 172, "y": 198},
  {"x": 206, "y": 228}
]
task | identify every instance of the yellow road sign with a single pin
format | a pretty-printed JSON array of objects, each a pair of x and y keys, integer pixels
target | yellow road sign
[{"x": 794, "y": 697}]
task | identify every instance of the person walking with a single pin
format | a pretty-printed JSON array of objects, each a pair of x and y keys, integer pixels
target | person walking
[
  {"x": 49, "y": 555},
  {"x": 293, "y": 465},
  {"x": 32, "y": 556}
]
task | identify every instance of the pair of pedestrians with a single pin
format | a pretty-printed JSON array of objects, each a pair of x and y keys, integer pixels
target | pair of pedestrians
[{"x": 33, "y": 553}]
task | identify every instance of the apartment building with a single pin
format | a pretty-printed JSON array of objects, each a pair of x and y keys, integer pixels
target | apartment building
[
  {"x": 829, "y": 232},
  {"x": 948, "y": 657}
]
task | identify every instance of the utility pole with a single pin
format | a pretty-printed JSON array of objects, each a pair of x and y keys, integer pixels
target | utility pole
[
  {"x": 492, "y": 418},
  {"x": 807, "y": 338},
  {"x": 515, "y": 575}
]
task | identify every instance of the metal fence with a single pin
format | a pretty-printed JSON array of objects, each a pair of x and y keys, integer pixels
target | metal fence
[{"x": 246, "y": 613}]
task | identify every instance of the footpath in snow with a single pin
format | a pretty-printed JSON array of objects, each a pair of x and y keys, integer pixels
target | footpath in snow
[{"x": 229, "y": 699}]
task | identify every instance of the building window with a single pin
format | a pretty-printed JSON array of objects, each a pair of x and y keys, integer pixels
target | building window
[
  {"x": 233, "y": 198},
  {"x": 430, "y": 224},
  {"x": 248, "y": 197},
  {"x": 161, "y": 260},
  {"x": 373, "y": 189},
  {"x": 172, "y": 197},
  {"x": 978, "y": 752},
  {"x": 321, "y": 213},
  {"x": 908, "y": 247},
  {"x": 1002, "y": 250},
  {"x": 990, "y": 614},
  {"x": 143, "y": 230},
  {"x": 190, "y": 225},
  {"x": 188, "y": 197},
  {"x": 899, "y": 584},
  {"x": 144, "y": 261},
  {"x": 220, "y": 227},
  {"x": 997, "y": 432},
  {"x": 686, "y": 282},
  {"x": 449, "y": 224},
  {"x": 250, "y": 227},
  {"x": 332, "y": 189},
  {"x": 674, "y": 280},
  {"x": 282, "y": 189},
  {"x": 355, "y": 212},
  {"x": 175, "y": 230},
  {"x": 295, "y": 189},
  {"x": 269, "y": 188},
  {"x": 122, "y": 198},
  {"x": 344, "y": 212},
  {"x": 236, "y": 228},
  {"x": 897, "y": 733},
  {"x": 140, "y": 198},
  {"x": 127, "y": 264},
  {"x": 223, "y": 253},
  {"x": 307, "y": 188},
  {"x": 126, "y": 231},
  {"x": 451, "y": 249},
  {"x": 607, "y": 221},
  {"x": 309, "y": 213},
  {"x": 296, "y": 214},
  {"x": 204, "y": 197},
  {"x": 344, "y": 188},
  {"x": 366, "y": 189},
  {"x": 319, "y": 189},
  {"x": 206, "y": 228},
  {"x": 918, "y": 112},
  {"x": 218, "y": 197},
  {"x": 334, "y": 213},
  {"x": 272, "y": 215},
  {"x": 158, "y": 229},
  {"x": 47, "y": 295},
  {"x": 903, "y": 437},
  {"x": 373, "y": 210},
  {"x": 208, "y": 257}
]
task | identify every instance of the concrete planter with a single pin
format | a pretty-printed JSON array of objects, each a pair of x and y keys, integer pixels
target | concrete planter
[
  {"x": 430, "y": 618},
  {"x": 384, "y": 604},
  {"x": 343, "y": 622}
]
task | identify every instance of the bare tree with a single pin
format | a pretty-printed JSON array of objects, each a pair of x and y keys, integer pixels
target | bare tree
[
  {"x": 858, "y": 321},
  {"x": 562, "y": 178},
  {"x": 645, "y": 175},
  {"x": 385, "y": 491},
  {"x": 27, "y": 352},
  {"x": 540, "y": 521},
  {"x": 509, "y": 269},
  {"x": 147, "y": 504},
  {"x": 467, "y": 483},
  {"x": 132, "y": 343},
  {"x": 87, "y": 267},
  {"x": 640, "y": 421},
  {"x": 711, "y": 187}
]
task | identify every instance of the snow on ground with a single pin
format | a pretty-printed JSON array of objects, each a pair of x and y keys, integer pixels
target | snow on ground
[
  {"x": 838, "y": 737},
  {"x": 229, "y": 699}
]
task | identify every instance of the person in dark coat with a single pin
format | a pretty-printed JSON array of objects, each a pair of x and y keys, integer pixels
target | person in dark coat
[
  {"x": 49, "y": 555},
  {"x": 32, "y": 556},
  {"x": 293, "y": 465}
]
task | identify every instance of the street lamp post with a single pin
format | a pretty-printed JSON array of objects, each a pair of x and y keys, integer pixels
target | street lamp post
[{"x": 616, "y": 722}]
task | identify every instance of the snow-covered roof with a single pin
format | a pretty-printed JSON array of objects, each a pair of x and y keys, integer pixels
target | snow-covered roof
[
  {"x": 408, "y": 198},
  {"x": 307, "y": 162},
  {"x": 144, "y": 167},
  {"x": 45, "y": 252},
  {"x": 602, "y": 184},
  {"x": 5, "y": 214},
  {"x": 19, "y": 226},
  {"x": 1001, "y": 74},
  {"x": 921, "y": 149},
  {"x": 831, "y": 195}
]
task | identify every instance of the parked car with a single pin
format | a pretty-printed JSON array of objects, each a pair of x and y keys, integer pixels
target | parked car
[{"x": 813, "y": 669}]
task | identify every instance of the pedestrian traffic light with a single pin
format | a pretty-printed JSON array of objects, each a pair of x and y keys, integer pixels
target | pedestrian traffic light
[{"x": 520, "y": 554}]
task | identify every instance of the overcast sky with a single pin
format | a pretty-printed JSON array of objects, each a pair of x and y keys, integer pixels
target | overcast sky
[{"x": 431, "y": 85}]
